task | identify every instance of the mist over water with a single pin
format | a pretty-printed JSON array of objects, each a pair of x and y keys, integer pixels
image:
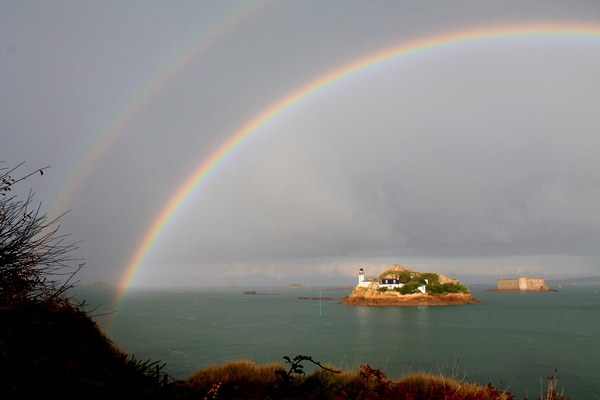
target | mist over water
[{"x": 511, "y": 339}]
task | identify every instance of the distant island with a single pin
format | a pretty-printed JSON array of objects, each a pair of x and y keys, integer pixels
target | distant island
[
  {"x": 522, "y": 284},
  {"x": 587, "y": 280},
  {"x": 252, "y": 291},
  {"x": 398, "y": 286},
  {"x": 296, "y": 286},
  {"x": 104, "y": 285}
]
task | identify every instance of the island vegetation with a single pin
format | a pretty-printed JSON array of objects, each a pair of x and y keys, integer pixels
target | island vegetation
[{"x": 51, "y": 347}]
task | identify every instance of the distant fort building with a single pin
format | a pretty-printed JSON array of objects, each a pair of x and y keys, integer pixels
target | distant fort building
[{"x": 523, "y": 283}]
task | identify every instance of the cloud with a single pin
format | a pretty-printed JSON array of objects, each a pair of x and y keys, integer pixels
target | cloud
[{"x": 484, "y": 151}]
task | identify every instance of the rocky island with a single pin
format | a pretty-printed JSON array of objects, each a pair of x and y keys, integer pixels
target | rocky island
[{"x": 398, "y": 286}]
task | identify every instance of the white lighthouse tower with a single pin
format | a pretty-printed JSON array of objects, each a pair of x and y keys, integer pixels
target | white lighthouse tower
[{"x": 361, "y": 277}]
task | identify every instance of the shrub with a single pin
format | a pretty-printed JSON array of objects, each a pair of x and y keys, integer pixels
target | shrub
[
  {"x": 405, "y": 276},
  {"x": 33, "y": 256},
  {"x": 438, "y": 288},
  {"x": 455, "y": 288},
  {"x": 428, "y": 278},
  {"x": 409, "y": 288},
  {"x": 435, "y": 288}
]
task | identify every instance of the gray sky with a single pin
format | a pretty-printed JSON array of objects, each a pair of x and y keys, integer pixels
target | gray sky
[{"x": 477, "y": 159}]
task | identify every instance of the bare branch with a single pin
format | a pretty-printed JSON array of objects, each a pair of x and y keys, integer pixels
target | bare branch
[{"x": 34, "y": 258}]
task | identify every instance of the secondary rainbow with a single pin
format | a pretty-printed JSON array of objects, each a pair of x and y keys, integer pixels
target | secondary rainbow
[
  {"x": 573, "y": 31},
  {"x": 140, "y": 98}
]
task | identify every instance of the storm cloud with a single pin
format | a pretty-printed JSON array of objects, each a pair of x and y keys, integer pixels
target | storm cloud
[{"x": 473, "y": 159}]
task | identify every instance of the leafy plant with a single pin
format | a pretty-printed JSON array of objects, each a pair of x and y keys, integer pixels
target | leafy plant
[
  {"x": 297, "y": 368},
  {"x": 151, "y": 369}
]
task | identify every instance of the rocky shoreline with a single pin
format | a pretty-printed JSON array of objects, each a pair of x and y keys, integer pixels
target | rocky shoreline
[
  {"x": 409, "y": 300},
  {"x": 521, "y": 290},
  {"x": 320, "y": 298}
]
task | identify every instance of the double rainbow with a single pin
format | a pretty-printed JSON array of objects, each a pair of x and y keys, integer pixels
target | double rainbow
[{"x": 545, "y": 31}]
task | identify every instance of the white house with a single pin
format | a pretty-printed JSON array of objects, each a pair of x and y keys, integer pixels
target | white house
[{"x": 389, "y": 283}]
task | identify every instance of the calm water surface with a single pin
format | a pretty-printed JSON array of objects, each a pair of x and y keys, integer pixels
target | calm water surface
[{"x": 516, "y": 339}]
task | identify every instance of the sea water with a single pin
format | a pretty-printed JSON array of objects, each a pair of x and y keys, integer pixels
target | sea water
[{"x": 512, "y": 340}]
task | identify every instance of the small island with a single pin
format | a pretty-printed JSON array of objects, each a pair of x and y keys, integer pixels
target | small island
[
  {"x": 296, "y": 286},
  {"x": 103, "y": 285},
  {"x": 252, "y": 291},
  {"x": 398, "y": 286}
]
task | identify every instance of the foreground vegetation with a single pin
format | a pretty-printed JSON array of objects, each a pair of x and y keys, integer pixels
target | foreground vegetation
[
  {"x": 55, "y": 350},
  {"x": 245, "y": 380},
  {"x": 49, "y": 346}
]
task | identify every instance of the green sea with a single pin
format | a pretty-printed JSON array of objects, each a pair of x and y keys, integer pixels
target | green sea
[{"x": 512, "y": 340}]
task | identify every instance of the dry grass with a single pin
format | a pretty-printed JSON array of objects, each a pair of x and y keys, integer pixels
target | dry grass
[
  {"x": 237, "y": 373},
  {"x": 245, "y": 380},
  {"x": 450, "y": 387},
  {"x": 241, "y": 379}
]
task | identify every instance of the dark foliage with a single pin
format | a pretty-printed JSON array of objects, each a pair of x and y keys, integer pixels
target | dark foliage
[
  {"x": 296, "y": 367},
  {"x": 34, "y": 258},
  {"x": 57, "y": 351},
  {"x": 49, "y": 346}
]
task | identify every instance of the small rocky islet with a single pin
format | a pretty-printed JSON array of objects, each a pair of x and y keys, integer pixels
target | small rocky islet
[{"x": 398, "y": 286}]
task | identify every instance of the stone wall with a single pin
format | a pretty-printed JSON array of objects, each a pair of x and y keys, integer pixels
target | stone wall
[
  {"x": 508, "y": 284},
  {"x": 523, "y": 283}
]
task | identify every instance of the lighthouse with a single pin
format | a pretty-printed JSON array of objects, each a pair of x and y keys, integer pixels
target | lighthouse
[{"x": 361, "y": 277}]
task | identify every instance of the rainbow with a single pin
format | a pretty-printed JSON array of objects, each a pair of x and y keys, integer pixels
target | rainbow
[
  {"x": 140, "y": 98},
  {"x": 574, "y": 31}
]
